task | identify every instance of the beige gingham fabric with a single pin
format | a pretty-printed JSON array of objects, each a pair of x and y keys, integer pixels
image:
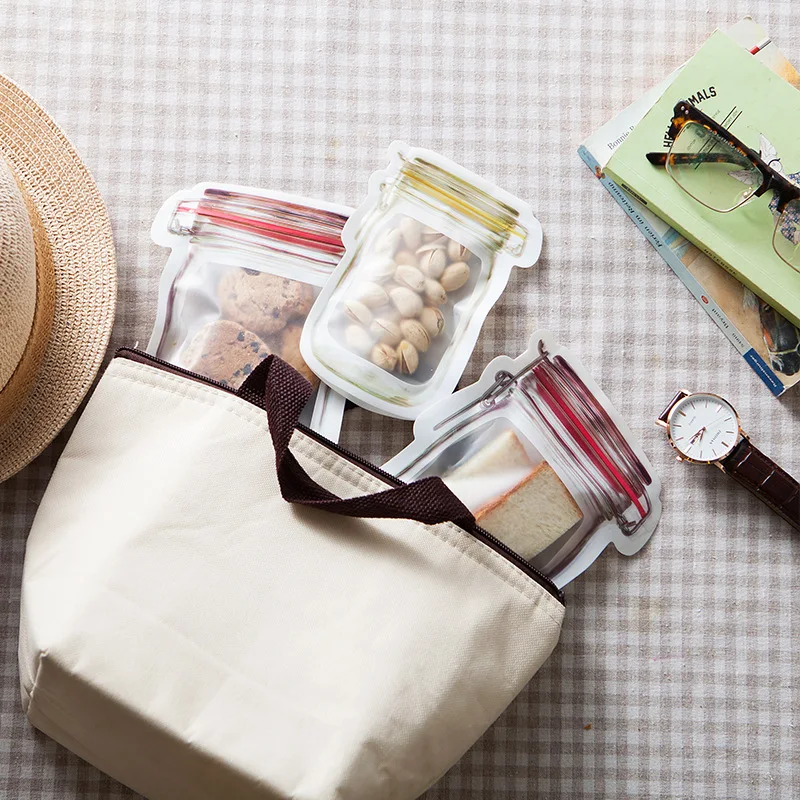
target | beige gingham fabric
[{"x": 676, "y": 676}]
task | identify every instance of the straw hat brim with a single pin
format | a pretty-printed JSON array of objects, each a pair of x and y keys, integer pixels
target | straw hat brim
[{"x": 80, "y": 247}]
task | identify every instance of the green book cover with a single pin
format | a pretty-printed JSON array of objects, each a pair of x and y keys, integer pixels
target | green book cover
[{"x": 763, "y": 111}]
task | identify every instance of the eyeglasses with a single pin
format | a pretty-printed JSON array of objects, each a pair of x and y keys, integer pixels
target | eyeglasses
[{"x": 718, "y": 170}]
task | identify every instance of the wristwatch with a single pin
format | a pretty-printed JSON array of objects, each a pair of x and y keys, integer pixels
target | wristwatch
[{"x": 704, "y": 429}]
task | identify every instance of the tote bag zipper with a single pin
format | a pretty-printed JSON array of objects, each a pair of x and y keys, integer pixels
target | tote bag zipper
[{"x": 140, "y": 357}]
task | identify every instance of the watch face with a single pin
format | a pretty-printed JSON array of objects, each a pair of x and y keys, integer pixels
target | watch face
[{"x": 703, "y": 427}]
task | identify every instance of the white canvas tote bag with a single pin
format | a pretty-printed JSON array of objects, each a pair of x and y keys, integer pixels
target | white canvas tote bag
[{"x": 194, "y": 635}]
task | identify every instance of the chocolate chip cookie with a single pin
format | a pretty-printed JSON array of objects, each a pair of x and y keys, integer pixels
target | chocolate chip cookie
[
  {"x": 289, "y": 351},
  {"x": 261, "y": 302},
  {"x": 224, "y": 351}
]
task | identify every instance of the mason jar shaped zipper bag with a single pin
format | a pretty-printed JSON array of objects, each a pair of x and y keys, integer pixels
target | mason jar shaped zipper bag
[
  {"x": 245, "y": 268},
  {"x": 428, "y": 253},
  {"x": 542, "y": 459}
]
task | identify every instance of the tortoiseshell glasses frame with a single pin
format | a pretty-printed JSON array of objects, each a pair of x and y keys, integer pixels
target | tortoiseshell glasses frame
[{"x": 787, "y": 225}]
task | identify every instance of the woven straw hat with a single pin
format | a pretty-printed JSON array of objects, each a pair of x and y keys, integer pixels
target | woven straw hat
[{"x": 57, "y": 279}]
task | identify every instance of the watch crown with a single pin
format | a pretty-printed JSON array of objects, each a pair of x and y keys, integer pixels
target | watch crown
[{"x": 678, "y": 458}]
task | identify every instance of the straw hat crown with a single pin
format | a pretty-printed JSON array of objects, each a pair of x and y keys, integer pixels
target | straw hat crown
[
  {"x": 57, "y": 279},
  {"x": 17, "y": 276}
]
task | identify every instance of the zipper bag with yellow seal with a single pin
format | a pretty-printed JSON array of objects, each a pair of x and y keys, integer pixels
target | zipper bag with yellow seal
[{"x": 427, "y": 254}]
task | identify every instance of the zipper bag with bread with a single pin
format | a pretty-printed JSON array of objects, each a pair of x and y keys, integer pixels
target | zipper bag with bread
[{"x": 542, "y": 459}]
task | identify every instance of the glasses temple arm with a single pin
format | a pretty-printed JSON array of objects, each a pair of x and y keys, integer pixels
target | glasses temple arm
[{"x": 660, "y": 159}]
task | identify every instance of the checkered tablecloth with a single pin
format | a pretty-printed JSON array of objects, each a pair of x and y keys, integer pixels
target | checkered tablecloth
[{"x": 676, "y": 672}]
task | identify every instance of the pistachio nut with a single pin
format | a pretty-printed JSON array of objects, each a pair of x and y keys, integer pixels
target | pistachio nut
[
  {"x": 407, "y": 358},
  {"x": 432, "y": 261},
  {"x": 457, "y": 251},
  {"x": 380, "y": 268},
  {"x": 415, "y": 332},
  {"x": 409, "y": 276},
  {"x": 405, "y": 257},
  {"x": 357, "y": 339},
  {"x": 433, "y": 320},
  {"x": 372, "y": 295},
  {"x": 385, "y": 330},
  {"x": 434, "y": 244},
  {"x": 356, "y": 311},
  {"x": 455, "y": 276},
  {"x": 406, "y": 301},
  {"x": 434, "y": 293},
  {"x": 388, "y": 242},
  {"x": 411, "y": 231},
  {"x": 430, "y": 234},
  {"x": 384, "y": 356}
]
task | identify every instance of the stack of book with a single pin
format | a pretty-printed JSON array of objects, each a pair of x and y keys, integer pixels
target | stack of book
[{"x": 727, "y": 260}]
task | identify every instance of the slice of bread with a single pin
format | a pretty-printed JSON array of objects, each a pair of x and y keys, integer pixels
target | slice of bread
[
  {"x": 536, "y": 512},
  {"x": 502, "y": 453},
  {"x": 490, "y": 472}
]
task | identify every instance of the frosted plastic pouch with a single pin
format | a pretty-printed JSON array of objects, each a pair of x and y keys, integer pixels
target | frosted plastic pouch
[
  {"x": 428, "y": 253},
  {"x": 244, "y": 269},
  {"x": 543, "y": 460}
]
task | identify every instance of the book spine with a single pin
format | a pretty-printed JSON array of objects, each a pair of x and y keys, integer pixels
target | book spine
[{"x": 732, "y": 333}]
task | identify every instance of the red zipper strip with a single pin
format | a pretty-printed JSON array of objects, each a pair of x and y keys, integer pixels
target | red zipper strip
[
  {"x": 327, "y": 244},
  {"x": 585, "y": 440}
]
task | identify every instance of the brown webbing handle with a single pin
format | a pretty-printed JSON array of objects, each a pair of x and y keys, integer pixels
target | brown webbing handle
[{"x": 283, "y": 392}]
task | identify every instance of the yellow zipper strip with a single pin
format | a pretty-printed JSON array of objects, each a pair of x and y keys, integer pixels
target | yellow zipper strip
[{"x": 434, "y": 184}]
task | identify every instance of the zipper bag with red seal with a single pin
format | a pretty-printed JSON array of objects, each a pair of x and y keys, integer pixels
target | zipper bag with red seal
[
  {"x": 244, "y": 269},
  {"x": 542, "y": 458}
]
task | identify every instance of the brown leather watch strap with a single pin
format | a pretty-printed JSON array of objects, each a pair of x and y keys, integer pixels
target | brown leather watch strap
[{"x": 766, "y": 480}]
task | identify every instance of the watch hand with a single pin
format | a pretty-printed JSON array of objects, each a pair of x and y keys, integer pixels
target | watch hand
[
  {"x": 698, "y": 435},
  {"x": 717, "y": 423}
]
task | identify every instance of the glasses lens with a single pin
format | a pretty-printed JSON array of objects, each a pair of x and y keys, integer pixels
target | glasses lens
[
  {"x": 786, "y": 239},
  {"x": 710, "y": 169}
]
